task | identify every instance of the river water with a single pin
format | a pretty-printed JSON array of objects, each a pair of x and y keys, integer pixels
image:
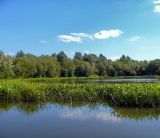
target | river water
[
  {"x": 142, "y": 80},
  {"x": 77, "y": 121}
]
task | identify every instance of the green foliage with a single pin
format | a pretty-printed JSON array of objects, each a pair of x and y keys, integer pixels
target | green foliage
[
  {"x": 47, "y": 67},
  {"x": 102, "y": 58},
  {"x": 20, "y": 54},
  {"x": 82, "y": 65},
  {"x": 25, "y": 66},
  {"x": 83, "y": 69},
  {"x": 67, "y": 69},
  {"x": 6, "y": 66},
  {"x": 34, "y": 90},
  {"x": 154, "y": 67},
  {"x": 78, "y": 56},
  {"x": 62, "y": 57},
  {"x": 90, "y": 58},
  {"x": 125, "y": 66}
]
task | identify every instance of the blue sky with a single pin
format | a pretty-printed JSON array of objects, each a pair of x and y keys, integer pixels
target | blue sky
[{"x": 110, "y": 27}]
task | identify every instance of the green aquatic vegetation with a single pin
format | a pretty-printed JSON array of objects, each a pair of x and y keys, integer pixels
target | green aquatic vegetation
[{"x": 42, "y": 90}]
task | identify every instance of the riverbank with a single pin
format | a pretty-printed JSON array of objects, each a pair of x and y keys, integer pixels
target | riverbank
[{"x": 43, "y": 90}]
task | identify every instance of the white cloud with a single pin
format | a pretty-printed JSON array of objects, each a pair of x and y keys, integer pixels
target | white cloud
[
  {"x": 69, "y": 38},
  {"x": 82, "y": 35},
  {"x": 157, "y": 9},
  {"x": 74, "y": 37},
  {"x": 105, "y": 34},
  {"x": 156, "y": 1},
  {"x": 134, "y": 38},
  {"x": 156, "y": 6},
  {"x": 79, "y": 37},
  {"x": 79, "y": 34}
]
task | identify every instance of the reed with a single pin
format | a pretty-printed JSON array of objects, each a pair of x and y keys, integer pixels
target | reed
[{"x": 42, "y": 90}]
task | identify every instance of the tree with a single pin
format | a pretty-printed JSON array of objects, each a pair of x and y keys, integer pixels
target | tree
[
  {"x": 142, "y": 69},
  {"x": 1, "y": 53},
  {"x": 67, "y": 69},
  {"x": 78, "y": 56},
  {"x": 83, "y": 69},
  {"x": 6, "y": 66},
  {"x": 90, "y": 58},
  {"x": 29, "y": 66},
  {"x": 53, "y": 67},
  {"x": 153, "y": 67},
  {"x": 102, "y": 58},
  {"x": 54, "y": 55},
  {"x": 124, "y": 58},
  {"x": 101, "y": 69},
  {"x": 20, "y": 54},
  {"x": 124, "y": 68},
  {"x": 111, "y": 71},
  {"x": 62, "y": 57},
  {"x": 47, "y": 67},
  {"x": 25, "y": 66}
]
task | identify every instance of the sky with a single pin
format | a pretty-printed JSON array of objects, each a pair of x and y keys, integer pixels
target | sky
[{"x": 110, "y": 27}]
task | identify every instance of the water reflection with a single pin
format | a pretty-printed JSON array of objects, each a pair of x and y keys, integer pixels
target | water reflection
[
  {"x": 82, "y": 115},
  {"x": 137, "y": 113},
  {"x": 81, "y": 111},
  {"x": 112, "y": 80},
  {"x": 29, "y": 108},
  {"x": 61, "y": 120}
]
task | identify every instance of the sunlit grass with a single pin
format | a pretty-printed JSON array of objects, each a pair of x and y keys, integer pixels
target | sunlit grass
[{"x": 37, "y": 90}]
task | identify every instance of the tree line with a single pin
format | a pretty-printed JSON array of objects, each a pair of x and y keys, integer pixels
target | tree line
[{"x": 82, "y": 65}]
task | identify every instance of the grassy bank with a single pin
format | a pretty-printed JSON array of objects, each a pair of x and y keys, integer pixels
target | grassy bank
[{"x": 41, "y": 90}]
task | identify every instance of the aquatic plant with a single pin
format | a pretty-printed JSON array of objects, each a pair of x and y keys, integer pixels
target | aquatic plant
[{"x": 124, "y": 94}]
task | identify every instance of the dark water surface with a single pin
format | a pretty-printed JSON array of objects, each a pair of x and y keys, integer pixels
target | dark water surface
[
  {"x": 144, "y": 80},
  {"x": 114, "y": 80},
  {"x": 77, "y": 121}
]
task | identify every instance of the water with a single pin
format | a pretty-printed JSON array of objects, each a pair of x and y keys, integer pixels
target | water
[
  {"x": 77, "y": 121},
  {"x": 148, "y": 80}
]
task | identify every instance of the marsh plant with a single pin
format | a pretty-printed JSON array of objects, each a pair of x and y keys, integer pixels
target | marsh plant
[{"x": 42, "y": 90}]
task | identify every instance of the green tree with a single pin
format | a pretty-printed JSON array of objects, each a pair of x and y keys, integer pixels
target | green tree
[
  {"x": 101, "y": 69},
  {"x": 153, "y": 67},
  {"x": 25, "y": 66},
  {"x": 102, "y": 58},
  {"x": 20, "y": 54},
  {"x": 6, "y": 66},
  {"x": 78, "y": 56},
  {"x": 62, "y": 57},
  {"x": 47, "y": 67},
  {"x": 90, "y": 58},
  {"x": 67, "y": 68},
  {"x": 83, "y": 69}
]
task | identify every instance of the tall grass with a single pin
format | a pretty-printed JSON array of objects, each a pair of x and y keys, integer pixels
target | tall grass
[{"x": 126, "y": 94}]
